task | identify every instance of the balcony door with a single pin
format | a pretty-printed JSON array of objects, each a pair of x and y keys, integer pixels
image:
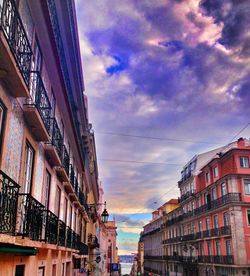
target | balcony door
[
  {"x": 45, "y": 198},
  {"x": 36, "y": 66},
  {"x": 28, "y": 168},
  {"x": 26, "y": 185}
]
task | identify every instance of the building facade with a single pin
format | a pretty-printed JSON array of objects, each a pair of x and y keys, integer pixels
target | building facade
[
  {"x": 209, "y": 233},
  {"x": 151, "y": 238},
  {"x": 48, "y": 168}
]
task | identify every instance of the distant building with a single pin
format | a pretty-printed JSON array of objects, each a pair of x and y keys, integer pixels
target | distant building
[
  {"x": 209, "y": 233},
  {"x": 151, "y": 238}
]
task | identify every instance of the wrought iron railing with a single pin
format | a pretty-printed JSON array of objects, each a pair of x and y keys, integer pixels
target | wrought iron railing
[
  {"x": 69, "y": 237},
  {"x": 14, "y": 31},
  {"x": 72, "y": 175},
  {"x": 61, "y": 233},
  {"x": 224, "y": 259},
  {"x": 83, "y": 201},
  {"x": 8, "y": 203},
  {"x": 39, "y": 98},
  {"x": 51, "y": 227},
  {"x": 187, "y": 195},
  {"x": 31, "y": 217},
  {"x": 93, "y": 241},
  {"x": 65, "y": 159},
  {"x": 76, "y": 186},
  {"x": 56, "y": 137}
]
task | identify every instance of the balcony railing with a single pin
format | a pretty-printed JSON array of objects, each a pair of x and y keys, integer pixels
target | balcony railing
[
  {"x": 14, "y": 31},
  {"x": 187, "y": 195},
  {"x": 93, "y": 241},
  {"x": 31, "y": 217},
  {"x": 61, "y": 233},
  {"x": 228, "y": 198},
  {"x": 51, "y": 227},
  {"x": 69, "y": 237},
  {"x": 215, "y": 232},
  {"x": 83, "y": 201},
  {"x": 228, "y": 259},
  {"x": 65, "y": 159},
  {"x": 56, "y": 137},
  {"x": 40, "y": 99},
  {"x": 72, "y": 175},
  {"x": 8, "y": 203}
]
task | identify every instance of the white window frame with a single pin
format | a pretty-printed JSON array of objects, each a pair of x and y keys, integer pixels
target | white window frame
[
  {"x": 246, "y": 179},
  {"x": 216, "y": 171},
  {"x": 245, "y": 161}
]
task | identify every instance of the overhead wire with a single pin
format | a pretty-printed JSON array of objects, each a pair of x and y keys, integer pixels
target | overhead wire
[{"x": 154, "y": 138}]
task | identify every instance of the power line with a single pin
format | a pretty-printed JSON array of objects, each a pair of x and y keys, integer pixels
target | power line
[
  {"x": 139, "y": 162},
  {"x": 155, "y": 138},
  {"x": 246, "y": 126}
]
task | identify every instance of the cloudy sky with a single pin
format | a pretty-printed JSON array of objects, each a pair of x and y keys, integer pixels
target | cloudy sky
[{"x": 165, "y": 79}]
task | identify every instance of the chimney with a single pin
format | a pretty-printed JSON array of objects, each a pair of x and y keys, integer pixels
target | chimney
[{"x": 241, "y": 142}]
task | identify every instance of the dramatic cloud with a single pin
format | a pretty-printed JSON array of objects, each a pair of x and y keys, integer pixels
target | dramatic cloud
[{"x": 166, "y": 69}]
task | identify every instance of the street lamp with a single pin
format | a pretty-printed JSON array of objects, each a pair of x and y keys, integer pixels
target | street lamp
[{"x": 105, "y": 214}]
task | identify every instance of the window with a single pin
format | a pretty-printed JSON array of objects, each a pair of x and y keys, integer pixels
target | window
[
  {"x": 2, "y": 119},
  {"x": 205, "y": 198},
  {"x": 46, "y": 190},
  {"x": 20, "y": 269},
  {"x": 214, "y": 193},
  {"x": 216, "y": 222},
  {"x": 244, "y": 162},
  {"x": 65, "y": 209},
  {"x": 207, "y": 224},
  {"x": 248, "y": 217},
  {"x": 58, "y": 201},
  {"x": 201, "y": 248},
  {"x": 247, "y": 186},
  {"x": 28, "y": 168},
  {"x": 226, "y": 219},
  {"x": 207, "y": 177},
  {"x": 218, "y": 252},
  {"x": 200, "y": 225},
  {"x": 209, "y": 248},
  {"x": 223, "y": 189},
  {"x": 228, "y": 247},
  {"x": 41, "y": 271},
  {"x": 216, "y": 172}
]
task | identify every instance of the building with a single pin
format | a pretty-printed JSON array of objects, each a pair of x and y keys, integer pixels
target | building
[
  {"x": 209, "y": 233},
  {"x": 48, "y": 168},
  {"x": 152, "y": 239},
  {"x": 112, "y": 247},
  {"x": 140, "y": 258}
]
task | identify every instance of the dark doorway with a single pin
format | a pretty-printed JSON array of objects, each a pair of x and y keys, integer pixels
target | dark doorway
[{"x": 20, "y": 270}]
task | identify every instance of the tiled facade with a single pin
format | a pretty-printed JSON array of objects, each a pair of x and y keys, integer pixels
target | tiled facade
[{"x": 48, "y": 167}]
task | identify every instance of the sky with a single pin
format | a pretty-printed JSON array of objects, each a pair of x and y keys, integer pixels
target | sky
[{"x": 165, "y": 80}]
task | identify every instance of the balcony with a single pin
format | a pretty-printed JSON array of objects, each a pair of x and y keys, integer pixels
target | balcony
[
  {"x": 228, "y": 198},
  {"x": 61, "y": 233},
  {"x": 92, "y": 241},
  {"x": 63, "y": 171},
  {"x": 69, "y": 237},
  {"x": 83, "y": 201},
  {"x": 8, "y": 204},
  {"x": 15, "y": 50},
  {"x": 32, "y": 217},
  {"x": 37, "y": 110},
  {"x": 51, "y": 227},
  {"x": 228, "y": 259},
  {"x": 187, "y": 195},
  {"x": 54, "y": 149}
]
